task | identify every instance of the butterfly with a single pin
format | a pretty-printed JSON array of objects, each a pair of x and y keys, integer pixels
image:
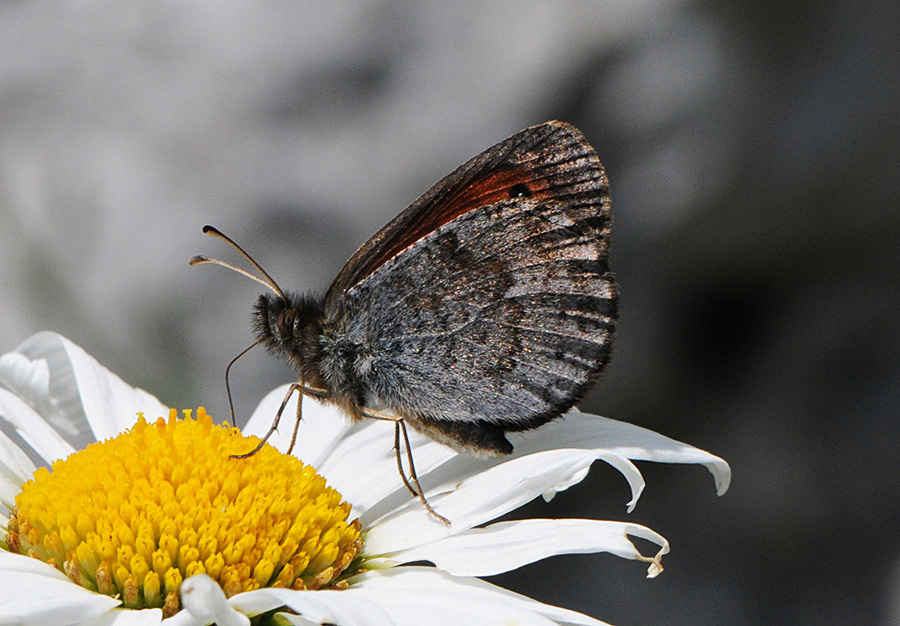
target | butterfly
[{"x": 486, "y": 307}]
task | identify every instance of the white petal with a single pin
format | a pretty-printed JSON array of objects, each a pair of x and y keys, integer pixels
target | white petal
[
  {"x": 628, "y": 469},
  {"x": 505, "y": 546},
  {"x": 184, "y": 618},
  {"x": 202, "y": 597},
  {"x": 30, "y": 379},
  {"x": 40, "y": 578},
  {"x": 15, "y": 469},
  {"x": 586, "y": 431},
  {"x": 476, "y": 499},
  {"x": 27, "y": 372},
  {"x": 20, "y": 564},
  {"x": 613, "y": 441},
  {"x": 110, "y": 404},
  {"x": 47, "y": 601},
  {"x": 32, "y": 428},
  {"x": 127, "y": 617},
  {"x": 68, "y": 386},
  {"x": 419, "y": 595},
  {"x": 318, "y": 607}
]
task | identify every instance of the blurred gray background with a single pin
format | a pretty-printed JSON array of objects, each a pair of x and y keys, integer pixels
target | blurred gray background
[{"x": 752, "y": 149}]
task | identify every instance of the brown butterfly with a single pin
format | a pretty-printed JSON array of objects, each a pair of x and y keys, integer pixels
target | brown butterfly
[{"x": 486, "y": 307}]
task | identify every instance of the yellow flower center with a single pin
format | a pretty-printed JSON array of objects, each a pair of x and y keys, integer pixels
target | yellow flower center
[{"x": 135, "y": 515}]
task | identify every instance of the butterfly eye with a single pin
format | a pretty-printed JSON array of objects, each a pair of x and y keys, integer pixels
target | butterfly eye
[
  {"x": 519, "y": 190},
  {"x": 285, "y": 323}
]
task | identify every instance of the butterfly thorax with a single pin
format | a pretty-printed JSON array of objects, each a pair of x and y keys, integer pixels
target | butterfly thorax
[{"x": 319, "y": 346}]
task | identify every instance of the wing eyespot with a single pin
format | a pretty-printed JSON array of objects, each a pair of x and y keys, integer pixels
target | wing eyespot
[{"x": 520, "y": 190}]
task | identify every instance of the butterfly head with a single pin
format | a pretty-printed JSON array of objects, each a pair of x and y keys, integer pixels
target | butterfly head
[{"x": 288, "y": 324}]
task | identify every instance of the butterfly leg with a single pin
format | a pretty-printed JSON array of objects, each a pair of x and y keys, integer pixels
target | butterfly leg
[
  {"x": 412, "y": 482},
  {"x": 300, "y": 389}
]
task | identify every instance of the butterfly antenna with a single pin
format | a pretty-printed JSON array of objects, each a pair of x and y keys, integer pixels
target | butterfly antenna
[
  {"x": 228, "y": 375},
  {"x": 266, "y": 280}
]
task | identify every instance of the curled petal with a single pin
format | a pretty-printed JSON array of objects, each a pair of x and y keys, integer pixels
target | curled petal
[
  {"x": 71, "y": 389},
  {"x": 505, "y": 546},
  {"x": 33, "y": 429},
  {"x": 586, "y": 431},
  {"x": 15, "y": 469}
]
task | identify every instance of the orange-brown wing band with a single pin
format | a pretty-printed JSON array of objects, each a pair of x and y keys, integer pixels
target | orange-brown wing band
[{"x": 540, "y": 162}]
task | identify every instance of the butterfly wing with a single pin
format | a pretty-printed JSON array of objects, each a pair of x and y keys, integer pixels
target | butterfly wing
[
  {"x": 491, "y": 176},
  {"x": 487, "y": 305}
]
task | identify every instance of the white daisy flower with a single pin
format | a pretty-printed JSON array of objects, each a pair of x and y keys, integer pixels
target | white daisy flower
[{"x": 155, "y": 523}]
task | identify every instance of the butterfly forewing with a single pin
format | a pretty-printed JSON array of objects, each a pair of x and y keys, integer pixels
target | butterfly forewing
[{"x": 493, "y": 175}]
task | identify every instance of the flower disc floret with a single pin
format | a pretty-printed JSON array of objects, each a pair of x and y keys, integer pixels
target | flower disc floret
[{"x": 135, "y": 515}]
